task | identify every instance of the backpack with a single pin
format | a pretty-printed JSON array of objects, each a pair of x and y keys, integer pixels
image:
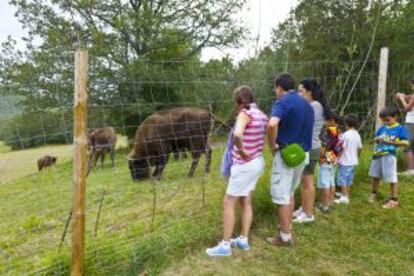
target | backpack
[{"x": 227, "y": 160}]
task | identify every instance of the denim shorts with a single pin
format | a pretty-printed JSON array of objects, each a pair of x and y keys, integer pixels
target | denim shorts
[
  {"x": 346, "y": 175},
  {"x": 326, "y": 176}
]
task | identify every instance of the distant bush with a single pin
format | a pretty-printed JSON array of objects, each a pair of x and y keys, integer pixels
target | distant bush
[{"x": 29, "y": 130}]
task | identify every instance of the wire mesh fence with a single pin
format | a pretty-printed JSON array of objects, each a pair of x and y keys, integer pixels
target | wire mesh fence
[{"x": 132, "y": 227}]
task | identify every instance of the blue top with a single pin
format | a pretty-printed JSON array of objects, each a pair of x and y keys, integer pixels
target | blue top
[
  {"x": 296, "y": 120},
  {"x": 394, "y": 133}
]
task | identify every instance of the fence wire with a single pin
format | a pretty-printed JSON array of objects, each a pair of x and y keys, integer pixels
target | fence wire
[{"x": 134, "y": 227}]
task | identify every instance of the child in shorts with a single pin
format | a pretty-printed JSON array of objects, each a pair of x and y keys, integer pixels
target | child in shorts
[
  {"x": 388, "y": 139},
  {"x": 348, "y": 158},
  {"x": 331, "y": 146}
]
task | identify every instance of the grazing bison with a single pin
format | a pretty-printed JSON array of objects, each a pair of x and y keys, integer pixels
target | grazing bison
[
  {"x": 100, "y": 142},
  {"x": 46, "y": 161},
  {"x": 171, "y": 131}
]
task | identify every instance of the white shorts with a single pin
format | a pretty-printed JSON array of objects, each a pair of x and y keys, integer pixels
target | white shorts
[
  {"x": 284, "y": 180},
  {"x": 384, "y": 168},
  {"x": 244, "y": 177}
]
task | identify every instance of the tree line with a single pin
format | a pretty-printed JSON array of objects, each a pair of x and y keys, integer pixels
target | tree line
[{"x": 145, "y": 56}]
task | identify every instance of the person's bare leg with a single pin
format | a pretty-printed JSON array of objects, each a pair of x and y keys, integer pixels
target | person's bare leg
[
  {"x": 409, "y": 159},
  {"x": 325, "y": 196},
  {"x": 285, "y": 216},
  {"x": 228, "y": 216},
  {"x": 246, "y": 215},
  {"x": 331, "y": 195},
  {"x": 302, "y": 193},
  {"x": 375, "y": 185},
  {"x": 344, "y": 190},
  {"x": 308, "y": 194},
  {"x": 394, "y": 190},
  {"x": 292, "y": 209}
]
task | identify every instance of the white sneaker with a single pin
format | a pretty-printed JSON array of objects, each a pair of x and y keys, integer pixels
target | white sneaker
[
  {"x": 338, "y": 195},
  {"x": 342, "y": 200},
  {"x": 241, "y": 243},
  {"x": 304, "y": 218},
  {"x": 221, "y": 250},
  {"x": 297, "y": 212}
]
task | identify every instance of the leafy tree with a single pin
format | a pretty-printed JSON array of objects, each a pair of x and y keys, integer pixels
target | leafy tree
[
  {"x": 338, "y": 43},
  {"x": 126, "y": 40}
]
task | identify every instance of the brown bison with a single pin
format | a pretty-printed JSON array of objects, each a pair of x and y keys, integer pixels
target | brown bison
[
  {"x": 100, "y": 142},
  {"x": 171, "y": 131},
  {"x": 46, "y": 161}
]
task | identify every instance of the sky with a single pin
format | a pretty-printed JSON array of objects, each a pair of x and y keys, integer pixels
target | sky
[{"x": 260, "y": 17}]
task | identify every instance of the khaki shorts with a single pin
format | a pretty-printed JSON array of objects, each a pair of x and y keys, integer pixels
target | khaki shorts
[
  {"x": 314, "y": 156},
  {"x": 284, "y": 180}
]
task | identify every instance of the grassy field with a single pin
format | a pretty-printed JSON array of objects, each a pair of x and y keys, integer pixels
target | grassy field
[
  {"x": 4, "y": 148},
  {"x": 163, "y": 227},
  {"x": 16, "y": 164}
]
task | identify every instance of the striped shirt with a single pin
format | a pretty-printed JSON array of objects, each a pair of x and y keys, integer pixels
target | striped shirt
[{"x": 253, "y": 136}]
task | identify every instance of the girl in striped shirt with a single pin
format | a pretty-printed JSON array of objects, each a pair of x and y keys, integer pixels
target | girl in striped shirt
[{"x": 248, "y": 165}]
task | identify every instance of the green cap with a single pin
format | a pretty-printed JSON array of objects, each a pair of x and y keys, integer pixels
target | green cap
[{"x": 293, "y": 155}]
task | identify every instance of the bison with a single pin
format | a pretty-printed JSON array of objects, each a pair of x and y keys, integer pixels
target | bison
[
  {"x": 100, "y": 142},
  {"x": 46, "y": 161},
  {"x": 171, "y": 131}
]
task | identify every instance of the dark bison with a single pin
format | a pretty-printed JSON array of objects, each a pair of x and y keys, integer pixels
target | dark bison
[
  {"x": 46, "y": 161},
  {"x": 100, "y": 142},
  {"x": 171, "y": 131}
]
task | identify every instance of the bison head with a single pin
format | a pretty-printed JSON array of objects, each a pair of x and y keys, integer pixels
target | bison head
[
  {"x": 139, "y": 168},
  {"x": 54, "y": 159}
]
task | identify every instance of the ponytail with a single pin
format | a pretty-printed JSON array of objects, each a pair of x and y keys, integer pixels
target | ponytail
[{"x": 319, "y": 96}]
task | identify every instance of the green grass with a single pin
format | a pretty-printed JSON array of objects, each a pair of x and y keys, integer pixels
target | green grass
[
  {"x": 4, "y": 148},
  {"x": 133, "y": 237},
  {"x": 17, "y": 164}
]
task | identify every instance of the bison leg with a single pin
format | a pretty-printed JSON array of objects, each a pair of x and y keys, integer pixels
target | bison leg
[
  {"x": 95, "y": 158},
  {"x": 196, "y": 157},
  {"x": 184, "y": 155},
  {"x": 160, "y": 166},
  {"x": 208, "y": 159},
  {"x": 176, "y": 154},
  {"x": 91, "y": 161},
  {"x": 102, "y": 153},
  {"x": 155, "y": 173},
  {"x": 112, "y": 154}
]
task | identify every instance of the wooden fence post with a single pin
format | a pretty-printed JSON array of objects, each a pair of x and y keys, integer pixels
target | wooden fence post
[
  {"x": 382, "y": 85},
  {"x": 79, "y": 161}
]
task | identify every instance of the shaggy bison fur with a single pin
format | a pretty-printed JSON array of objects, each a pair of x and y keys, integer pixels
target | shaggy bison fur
[
  {"x": 171, "y": 131},
  {"x": 100, "y": 142},
  {"x": 46, "y": 161}
]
